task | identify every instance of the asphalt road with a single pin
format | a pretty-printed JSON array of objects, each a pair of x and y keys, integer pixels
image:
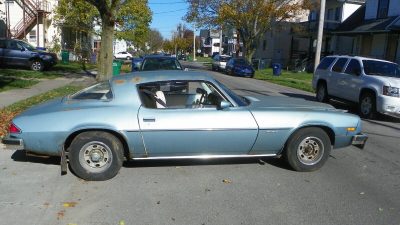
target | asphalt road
[{"x": 354, "y": 187}]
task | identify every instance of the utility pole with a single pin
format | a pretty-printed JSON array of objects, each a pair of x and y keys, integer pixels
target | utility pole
[
  {"x": 220, "y": 41},
  {"x": 320, "y": 33},
  {"x": 194, "y": 42}
]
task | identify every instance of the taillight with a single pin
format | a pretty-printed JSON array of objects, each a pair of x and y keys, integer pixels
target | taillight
[{"x": 14, "y": 129}]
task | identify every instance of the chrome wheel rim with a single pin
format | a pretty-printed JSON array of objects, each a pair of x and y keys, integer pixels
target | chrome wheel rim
[
  {"x": 310, "y": 150},
  {"x": 366, "y": 105},
  {"x": 321, "y": 93},
  {"x": 95, "y": 156},
  {"x": 36, "y": 66}
]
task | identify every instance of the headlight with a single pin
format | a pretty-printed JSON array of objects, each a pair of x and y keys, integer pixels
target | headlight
[{"x": 391, "y": 91}]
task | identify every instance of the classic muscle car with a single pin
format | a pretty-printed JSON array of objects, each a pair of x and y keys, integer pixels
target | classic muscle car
[{"x": 178, "y": 115}]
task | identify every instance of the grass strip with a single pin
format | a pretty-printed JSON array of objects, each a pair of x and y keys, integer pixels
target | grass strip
[{"x": 301, "y": 80}]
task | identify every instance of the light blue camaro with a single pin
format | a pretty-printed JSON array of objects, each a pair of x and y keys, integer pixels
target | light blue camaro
[{"x": 178, "y": 115}]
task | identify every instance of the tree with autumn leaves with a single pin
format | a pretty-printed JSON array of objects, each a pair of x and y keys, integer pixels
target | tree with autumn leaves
[
  {"x": 121, "y": 19},
  {"x": 250, "y": 18}
]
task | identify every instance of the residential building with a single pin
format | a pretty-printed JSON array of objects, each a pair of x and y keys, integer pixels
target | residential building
[{"x": 373, "y": 31}]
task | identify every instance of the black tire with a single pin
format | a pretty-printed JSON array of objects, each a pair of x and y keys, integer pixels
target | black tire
[
  {"x": 37, "y": 65},
  {"x": 96, "y": 155},
  {"x": 307, "y": 149},
  {"x": 322, "y": 93},
  {"x": 367, "y": 106}
]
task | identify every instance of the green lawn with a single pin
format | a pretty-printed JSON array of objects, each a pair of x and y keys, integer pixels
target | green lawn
[
  {"x": 204, "y": 59},
  {"x": 300, "y": 80},
  {"x": 12, "y": 78}
]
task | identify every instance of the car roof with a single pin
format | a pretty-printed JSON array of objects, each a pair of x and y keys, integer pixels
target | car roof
[
  {"x": 359, "y": 58},
  {"x": 158, "y": 57},
  {"x": 161, "y": 75}
]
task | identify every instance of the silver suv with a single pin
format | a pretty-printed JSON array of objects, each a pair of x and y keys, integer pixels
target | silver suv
[{"x": 371, "y": 83}]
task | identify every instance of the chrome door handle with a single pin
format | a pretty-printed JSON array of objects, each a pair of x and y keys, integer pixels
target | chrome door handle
[{"x": 149, "y": 120}]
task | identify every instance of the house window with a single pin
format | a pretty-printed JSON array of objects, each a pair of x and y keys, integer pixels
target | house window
[
  {"x": 264, "y": 45},
  {"x": 312, "y": 16},
  {"x": 32, "y": 36},
  {"x": 383, "y": 8},
  {"x": 338, "y": 14},
  {"x": 96, "y": 45}
]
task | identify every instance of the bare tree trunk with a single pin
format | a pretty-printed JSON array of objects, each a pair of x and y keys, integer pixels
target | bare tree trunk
[{"x": 106, "y": 50}]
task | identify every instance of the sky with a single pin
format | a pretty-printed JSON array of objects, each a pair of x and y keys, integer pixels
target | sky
[{"x": 167, "y": 14}]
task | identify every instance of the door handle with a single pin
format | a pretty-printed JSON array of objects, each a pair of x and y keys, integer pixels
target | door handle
[{"x": 149, "y": 120}]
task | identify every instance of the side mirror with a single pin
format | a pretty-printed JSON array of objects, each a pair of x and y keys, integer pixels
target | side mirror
[{"x": 223, "y": 105}]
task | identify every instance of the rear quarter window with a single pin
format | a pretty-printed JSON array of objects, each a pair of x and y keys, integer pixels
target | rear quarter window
[{"x": 325, "y": 63}]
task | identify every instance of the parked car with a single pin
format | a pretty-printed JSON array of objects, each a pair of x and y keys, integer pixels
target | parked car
[
  {"x": 178, "y": 115},
  {"x": 239, "y": 67},
  {"x": 371, "y": 83},
  {"x": 219, "y": 62},
  {"x": 158, "y": 62},
  {"x": 123, "y": 55},
  {"x": 136, "y": 63},
  {"x": 15, "y": 52}
]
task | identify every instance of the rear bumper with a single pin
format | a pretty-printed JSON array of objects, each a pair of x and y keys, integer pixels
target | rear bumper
[
  {"x": 13, "y": 143},
  {"x": 359, "y": 140}
]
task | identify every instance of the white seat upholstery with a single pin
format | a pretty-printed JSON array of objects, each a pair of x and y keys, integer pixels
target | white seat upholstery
[{"x": 160, "y": 95}]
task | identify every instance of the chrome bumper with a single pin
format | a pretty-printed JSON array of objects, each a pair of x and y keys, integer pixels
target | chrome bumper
[
  {"x": 359, "y": 140},
  {"x": 13, "y": 143}
]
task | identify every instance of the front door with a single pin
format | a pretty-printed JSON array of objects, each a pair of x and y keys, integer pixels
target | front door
[{"x": 189, "y": 123}]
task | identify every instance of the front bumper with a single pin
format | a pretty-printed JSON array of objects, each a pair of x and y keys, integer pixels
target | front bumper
[
  {"x": 388, "y": 105},
  {"x": 13, "y": 143},
  {"x": 359, "y": 140}
]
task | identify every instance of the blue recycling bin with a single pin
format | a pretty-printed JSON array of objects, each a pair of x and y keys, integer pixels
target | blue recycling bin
[{"x": 276, "y": 69}]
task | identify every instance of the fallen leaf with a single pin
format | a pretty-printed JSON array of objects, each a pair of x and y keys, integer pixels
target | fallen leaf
[
  {"x": 380, "y": 209},
  {"x": 362, "y": 193},
  {"x": 60, "y": 214},
  {"x": 69, "y": 204},
  {"x": 226, "y": 181},
  {"x": 158, "y": 202},
  {"x": 121, "y": 222}
]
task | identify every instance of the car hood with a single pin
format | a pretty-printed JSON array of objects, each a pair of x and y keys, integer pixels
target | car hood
[
  {"x": 391, "y": 81},
  {"x": 279, "y": 102}
]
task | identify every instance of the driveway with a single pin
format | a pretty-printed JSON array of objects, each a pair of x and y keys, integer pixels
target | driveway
[{"x": 354, "y": 187}]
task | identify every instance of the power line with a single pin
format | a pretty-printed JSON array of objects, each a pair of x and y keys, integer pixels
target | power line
[
  {"x": 166, "y": 3},
  {"x": 169, "y": 11}
]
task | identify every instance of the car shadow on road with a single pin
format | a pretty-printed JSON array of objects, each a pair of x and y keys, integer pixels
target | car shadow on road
[
  {"x": 208, "y": 162},
  {"x": 294, "y": 95},
  {"x": 22, "y": 156}
]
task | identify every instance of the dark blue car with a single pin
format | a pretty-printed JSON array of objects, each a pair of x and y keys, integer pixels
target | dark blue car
[
  {"x": 239, "y": 67},
  {"x": 19, "y": 53}
]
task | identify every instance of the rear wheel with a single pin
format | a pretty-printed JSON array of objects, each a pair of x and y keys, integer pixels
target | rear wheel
[
  {"x": 96, "y": 155},
  {"x": 367, "y": 105},
  {"x": 308, "y": 149},
  {"x": 322, "y": 93}
]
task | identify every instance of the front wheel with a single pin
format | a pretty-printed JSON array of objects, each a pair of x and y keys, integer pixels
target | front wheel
[
  {"x": 96, "y": 155},
  {"x": 37, "y": 65},
  {"x": 308, "y": 149},
  {"x": 367, "y": 106}
]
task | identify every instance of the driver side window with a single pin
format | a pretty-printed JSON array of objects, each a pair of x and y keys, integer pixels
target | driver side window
[{"x": 179, "y": 95}]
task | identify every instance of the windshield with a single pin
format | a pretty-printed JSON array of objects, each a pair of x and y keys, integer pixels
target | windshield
[
  {"x": 379, "y": 68},
  {"x": 27, "y": 46},
  {"x": 242, "y": 62},
  {"x": 100, "y": 91},
  {"x": 161, "y": 64},
  {"x": 224, "y": 58},
  {"x": 241, "y": 101}
]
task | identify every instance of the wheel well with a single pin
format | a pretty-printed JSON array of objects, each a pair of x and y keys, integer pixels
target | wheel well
[
  {"x": 328, "y": 131},
  {"x": 124, "y": 143},
  {"x": 321, "y": 82},
  {"x": 35, "y": 58},
  {"x": 366, "y": 90}
]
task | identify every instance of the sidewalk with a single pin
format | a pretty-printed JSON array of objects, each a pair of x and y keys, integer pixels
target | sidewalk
[{"x": 15, "y": 95}]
